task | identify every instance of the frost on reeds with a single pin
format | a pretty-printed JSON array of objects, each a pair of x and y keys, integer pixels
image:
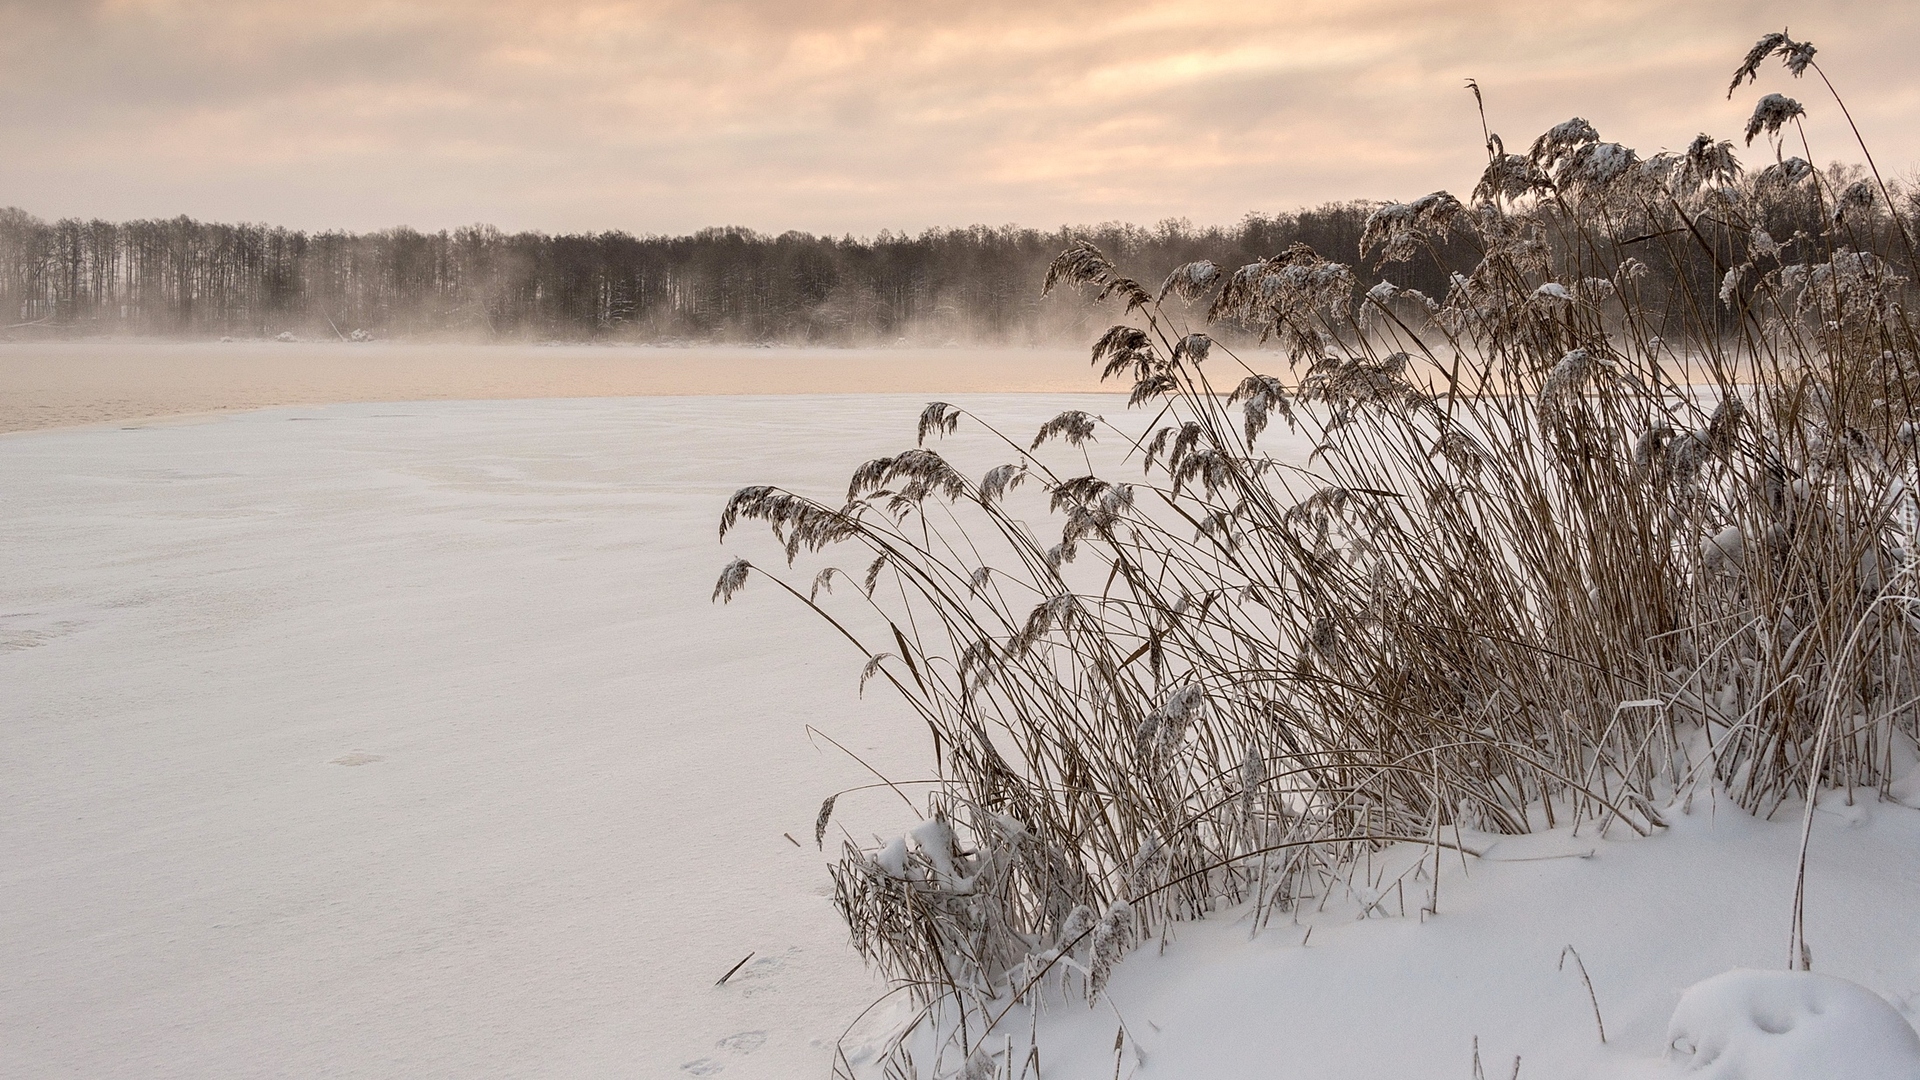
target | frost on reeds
[{"x": 1628, "y": 513}]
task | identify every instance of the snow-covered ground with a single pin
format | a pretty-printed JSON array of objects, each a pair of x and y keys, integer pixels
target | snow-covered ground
[
  {"x": 403, "y": 741},
  {"x": 1333, "y": 995}
]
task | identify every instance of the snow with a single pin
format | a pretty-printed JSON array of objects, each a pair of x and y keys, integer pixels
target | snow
[
  {"x": 377, "y": 740},
  {"x": 1780, "y": 1025},
  {"x": 1727, "y": 547},
  {"x": 893, "y": 858},
  {"x": 403, "y": 740},
  {"x": 1337, "y": 994}
]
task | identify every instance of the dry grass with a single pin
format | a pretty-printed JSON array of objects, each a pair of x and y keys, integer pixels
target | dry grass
[{"x": 1567, "y": 549}]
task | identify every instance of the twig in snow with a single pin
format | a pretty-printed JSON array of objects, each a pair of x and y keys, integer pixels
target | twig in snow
[
  {"x": 734, "y": 968},
  {"x": 1591, "y": 996}
]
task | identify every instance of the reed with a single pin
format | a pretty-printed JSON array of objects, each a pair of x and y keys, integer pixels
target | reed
[{"x": 1565, "y": 550}]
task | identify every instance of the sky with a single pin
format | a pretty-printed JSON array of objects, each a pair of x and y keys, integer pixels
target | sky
[{"x": 854, "y": 116}]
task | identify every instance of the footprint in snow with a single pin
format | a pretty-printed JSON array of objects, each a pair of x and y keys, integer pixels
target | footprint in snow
[
  {"x": 745, "y": 1042},
  {"x": 358, "y": 757},
  {"x": 702, "y": 1067}
]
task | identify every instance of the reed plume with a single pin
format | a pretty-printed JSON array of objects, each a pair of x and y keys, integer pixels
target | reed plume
[{"x": 1559, "y": 554}]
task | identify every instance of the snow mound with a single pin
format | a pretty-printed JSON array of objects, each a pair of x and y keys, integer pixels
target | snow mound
[{"x": 1790, "y": 1025}]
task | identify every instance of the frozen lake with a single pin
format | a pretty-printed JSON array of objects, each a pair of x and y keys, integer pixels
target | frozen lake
[
  {"x": 403, "y": 740},
  {"x": 61, "y": 384}
]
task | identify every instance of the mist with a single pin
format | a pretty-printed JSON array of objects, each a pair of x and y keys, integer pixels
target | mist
[
  {"x": 976, "y": 286},
  {"x": 961, "y": 286}
]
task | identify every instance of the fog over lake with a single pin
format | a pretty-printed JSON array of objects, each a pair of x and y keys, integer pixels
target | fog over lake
[{"x": 44, "y": 385}]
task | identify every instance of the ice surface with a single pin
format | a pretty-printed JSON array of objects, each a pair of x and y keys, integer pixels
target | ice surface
[
  {"x": 404, "y": 741},
  {"x": 1790, "y": 1025}
]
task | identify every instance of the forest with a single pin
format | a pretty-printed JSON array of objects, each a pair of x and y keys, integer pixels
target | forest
[
  {"x": 975, "y": 285},
  {"x": 181, "y": 277}
]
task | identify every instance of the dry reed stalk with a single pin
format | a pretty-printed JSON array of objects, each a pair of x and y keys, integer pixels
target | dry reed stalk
[{"x": 1557, "y": 526}]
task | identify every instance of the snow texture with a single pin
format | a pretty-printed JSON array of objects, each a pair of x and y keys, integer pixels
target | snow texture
[
  {"x": 404, "y": 741},
  {"x": 1353, "y": 991},
  {"x": 1790, "y": 1025}
]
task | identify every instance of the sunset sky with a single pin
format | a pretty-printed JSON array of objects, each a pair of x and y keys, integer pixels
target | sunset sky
[{"x": 846, "y": 116}]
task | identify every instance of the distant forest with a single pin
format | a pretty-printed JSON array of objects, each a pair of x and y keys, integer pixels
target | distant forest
[
  {"x": 74, "y": 278},
  {"x": 181, "y": 277}
]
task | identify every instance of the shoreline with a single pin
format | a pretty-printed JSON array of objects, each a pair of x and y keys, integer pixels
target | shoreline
[{"x": 70, "y": 385}]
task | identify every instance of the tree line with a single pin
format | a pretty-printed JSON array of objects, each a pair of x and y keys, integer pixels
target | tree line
[
  {"x": 979, "y": 284},
  {"x": 181, "y": 277}
]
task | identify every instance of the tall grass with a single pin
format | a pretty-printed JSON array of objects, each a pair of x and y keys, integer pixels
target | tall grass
[{"x": 1563, "y": 551}]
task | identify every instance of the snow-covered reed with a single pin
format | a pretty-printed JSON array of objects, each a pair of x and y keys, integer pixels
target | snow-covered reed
[{"x": 1566, "y": 548}]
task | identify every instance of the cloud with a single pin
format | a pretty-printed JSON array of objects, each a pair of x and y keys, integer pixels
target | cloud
[{"x": 838, "y": 116}]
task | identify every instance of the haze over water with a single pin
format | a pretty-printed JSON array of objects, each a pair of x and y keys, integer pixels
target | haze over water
[{"x": 45, "y": 385}]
